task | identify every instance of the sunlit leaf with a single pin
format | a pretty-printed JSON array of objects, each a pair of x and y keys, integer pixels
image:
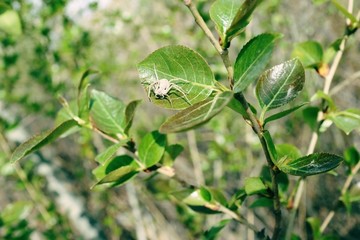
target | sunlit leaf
[
  {"x": 41, "y": 140},
  {"x": 310, "y": 53},
  {"x": 280, "y": 84},
  {"x": 10, "y": 23},
  {"x": 252, "y": 60},
  {"x": 152, "y": 148},
  {"x": 109, "y": 153},
  {"x": 107, "y": 113},
  {"x": 254, "y": 185},
  {"x": 191, "y": 77},
  {"x": 197, "y": 114},
  {"x": 347, "y": 120},
  {"x": 287, "y": 150},
  {"x": 15, "y": 212},
  {"x": 312, "y": 164}
]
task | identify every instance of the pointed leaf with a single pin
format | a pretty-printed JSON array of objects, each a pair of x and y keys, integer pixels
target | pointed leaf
[
  {"x": 151, "y": 148},
  {"x": 310, "y": 53},
  {"x": 270, "y": 146},
  {"x": 252, "y": 60},
  {"x": 130, "y": 113},
  {"x": 280, "y": 84},
  {"x": 118, "y": 170},
  {"x": 191, "y": 77},
  {"x": 171, "y": 153},
  {"x": 254, "y": 185},
  {"x": 197, "y": 114},
  {"x": 344, "y": 11},
  {"x": 83, "y": 95},
  {"x": 312, "y": 164},
  {"x": 107, "y": 113},
  {"x": 214, "y": 231},
  {"x": 282, "y": 114},
  {"x": 40, "y": 140},
  {"x": 109, "y": 153},
  {"x": 347, "y": 120}
]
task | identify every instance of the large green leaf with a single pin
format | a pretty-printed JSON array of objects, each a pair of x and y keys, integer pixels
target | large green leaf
[
  {"x": 40, "y": 140},
  {"x": 347, "y": 120},
  {"x": 280, "y": 84},
  {"x": 151, "y": 148},
  {"x": 10, "y": 23},
  {"x": 107, "y": 113},
  {"x": 254, "y": 185},
  {"x": 197, "y": 114},
  {"x": 191, "y": 77},
  {"x": 310, "y": 53},
  {"x": 252, "y": 60},
  {"x": 312, "y": 164}
]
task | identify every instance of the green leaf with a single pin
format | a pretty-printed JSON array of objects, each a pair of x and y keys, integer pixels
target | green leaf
[
  {"x": 83, "y": 95},
  {"x": 4, "y": 7},
  {"x": 171, "y": 153},
  {"x": 109, "y": 153},
  {"x": 321, "y": 95},
  {"x": 205, "y": 194},
  {"x": 315, "y": 227},
  {"x": 331, "y": 51},
  {"x": 118, "y": 170},
  {"x": 287, "y": 150},
  {"x": 191, "y": 77},
  {"x": 41, "y": 140},
  {"x": 347, "y": 120},
  {"x": 151, "y": 148},
  {"x": 344, "y": 11},
  {"x": 351, "y": 156},
  {"x": 15, "y": 212},
  {"x": 107, "y": 113},
  {"x": 254, "y": 185},
  {"x": 197, "y": 114},
  {"x": 222, "y": 13},
  {"x": 10, "y": 23},
  {"x": 197, "y": 203},
  {"x": 252, "y": 60},
  {"x": 262, "y": 202},
  {"x": 310, "y": 116},
  {"x": 282, "y": 114},
  {"x": 280, "y": 85},
  {"x": 213, "y": 232},
  {"x": 270, "y": 146},
  {"x": 129, "y": 114},
  {"x": 235, "y": 105},
  {"x": 310, "y": 53},
  {"x": 312, "y": 164}
]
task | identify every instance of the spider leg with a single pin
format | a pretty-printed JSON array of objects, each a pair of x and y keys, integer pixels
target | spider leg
[{"x": 180, "y": 90}]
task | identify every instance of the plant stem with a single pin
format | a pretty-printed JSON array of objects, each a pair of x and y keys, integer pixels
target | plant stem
[
  {"x": 315, "y": 135},
  {"x": 250, "y": 117}
]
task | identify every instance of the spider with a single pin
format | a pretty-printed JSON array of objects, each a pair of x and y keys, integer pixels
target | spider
[{"x": 162, "y": 87}]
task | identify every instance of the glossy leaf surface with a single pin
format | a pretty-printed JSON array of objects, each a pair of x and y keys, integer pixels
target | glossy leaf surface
[
  {"x": 107, "y": 113},
  {"x": 192, "y": 78},
  {"x": 280, "y": 84},
  {"x": 312, "y": 164},
  {"x": 152, "y": 148},
  {"x": 252, "y": 60},
  {"x": 41, "y": 140},
  {"x": 197, "y": 114}
]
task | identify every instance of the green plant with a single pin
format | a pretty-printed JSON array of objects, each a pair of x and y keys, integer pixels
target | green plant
[{"x": 199, "y": 98}]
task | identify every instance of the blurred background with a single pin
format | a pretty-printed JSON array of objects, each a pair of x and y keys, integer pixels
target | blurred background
[{"x": 46, "y": 45}]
